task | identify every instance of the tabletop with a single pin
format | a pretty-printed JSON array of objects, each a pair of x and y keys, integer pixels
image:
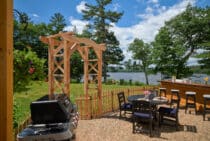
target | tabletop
[{"x": 156, "y": 100}]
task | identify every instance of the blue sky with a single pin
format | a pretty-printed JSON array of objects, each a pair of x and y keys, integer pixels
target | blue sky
[{"x": 142, "y": 18}]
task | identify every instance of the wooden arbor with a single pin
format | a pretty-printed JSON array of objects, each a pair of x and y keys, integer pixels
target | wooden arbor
[{"x": 61, "y": 47}]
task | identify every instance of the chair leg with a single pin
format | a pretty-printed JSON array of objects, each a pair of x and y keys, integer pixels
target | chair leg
[
  {"x": 186, "y": 105},
  {"x": 160, "y": 120},
  {"x": 150, "y": 129},
  {"x": 177, "y": 123},
  {"x": 195, "y": 105},
  {"x": 204, "y": 110}
]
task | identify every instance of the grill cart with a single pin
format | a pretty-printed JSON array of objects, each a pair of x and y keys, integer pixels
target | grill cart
[{"x": 52, "y": 120}]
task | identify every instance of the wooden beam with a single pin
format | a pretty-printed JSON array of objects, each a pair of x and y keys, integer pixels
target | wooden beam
[
  {"x": 66, "y": 68},
  {"x": 6, "y": 70},
  {"x": 51, "y": 69},
  {"x": 100, "y": 81}
]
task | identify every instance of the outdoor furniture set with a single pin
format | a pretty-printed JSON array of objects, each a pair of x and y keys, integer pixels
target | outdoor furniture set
[{"x": 146, "y": 108}]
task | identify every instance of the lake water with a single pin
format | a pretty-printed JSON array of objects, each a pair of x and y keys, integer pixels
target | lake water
[{"x": 153, "y": 78}]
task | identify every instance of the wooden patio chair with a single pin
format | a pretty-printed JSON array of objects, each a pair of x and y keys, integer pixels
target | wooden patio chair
[
  {"x": 142, "y": 111},
  {"x": 123, "y": 105},
  {"x": 170, "y": 113}
]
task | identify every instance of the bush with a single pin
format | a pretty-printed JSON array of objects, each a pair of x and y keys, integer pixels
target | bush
[
  {"x": 122, "y": 81},
  {"x": 137, "y": 83},
  {"x": 27, "y": 67}
]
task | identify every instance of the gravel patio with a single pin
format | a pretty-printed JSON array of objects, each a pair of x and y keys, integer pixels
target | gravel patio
[{"x": 111, "y": 128}]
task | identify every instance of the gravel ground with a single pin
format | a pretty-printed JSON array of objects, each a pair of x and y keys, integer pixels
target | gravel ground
[{"x": 111, "y": 128}]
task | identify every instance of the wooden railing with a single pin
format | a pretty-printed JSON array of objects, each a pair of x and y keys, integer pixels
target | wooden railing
[
  {"x": 21, "y": 127},
  {"x": 88, "y": 106}
]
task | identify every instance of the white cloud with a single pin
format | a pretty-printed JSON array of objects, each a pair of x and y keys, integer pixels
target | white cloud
[
  {"x": 149, "y": 9},
  {"x": 148, "y": 28},
  {"x": 35, "y": 15},
  {"x": 81, "y": 7},
  {"x": 116, "y": 6},
  {"x": 79, "y": 24},
  {"x": 153, "y": 1}
]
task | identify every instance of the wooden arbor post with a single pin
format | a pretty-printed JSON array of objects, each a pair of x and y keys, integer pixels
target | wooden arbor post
[
  {"x": 61, "y": 47},
  {"x": 6, "y": 70}
]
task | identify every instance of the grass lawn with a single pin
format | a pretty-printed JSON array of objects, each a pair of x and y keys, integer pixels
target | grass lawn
[{"x": 39, "y": 89}]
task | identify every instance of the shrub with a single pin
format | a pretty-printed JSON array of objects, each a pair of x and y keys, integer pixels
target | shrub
[
  {"x": 122, "y": 81},
  {"x": 27, "y": 67},
  {"x": 137, "y": 83}
]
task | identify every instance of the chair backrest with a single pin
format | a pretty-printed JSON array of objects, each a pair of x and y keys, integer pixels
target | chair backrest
[
  {"x": 176, "y": 105},
  {"x": 121, "y": 98},
  {"x": 142, "y": 106}
]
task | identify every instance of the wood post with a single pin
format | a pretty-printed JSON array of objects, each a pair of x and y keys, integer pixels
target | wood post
[
  {"x": 6, "y": 70},
  {"x": 100, "y": 80},
  {"x": 51, "y": 68},
  {"x": 66, "y": 68}
]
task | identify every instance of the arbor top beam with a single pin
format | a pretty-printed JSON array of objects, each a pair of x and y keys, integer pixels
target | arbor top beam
[{"x": 70, "y": 36}]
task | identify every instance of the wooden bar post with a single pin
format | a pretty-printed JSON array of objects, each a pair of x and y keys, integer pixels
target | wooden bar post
[{"x": 6, "y": 70}]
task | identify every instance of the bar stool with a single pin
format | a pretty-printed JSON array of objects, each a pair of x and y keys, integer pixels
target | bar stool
[
  {"x": 174, "y": 96},
  {"x": 206, "y": 98},
  {"x": 162, "y": 90},
  {"x": 192, "y": 95}
]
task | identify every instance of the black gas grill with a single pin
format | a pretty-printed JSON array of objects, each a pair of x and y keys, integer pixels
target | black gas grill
[{"x": 52, "y": 120}]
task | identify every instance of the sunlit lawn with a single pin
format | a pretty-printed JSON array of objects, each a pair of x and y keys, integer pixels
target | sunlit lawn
[{"x": 39, "y": 89}]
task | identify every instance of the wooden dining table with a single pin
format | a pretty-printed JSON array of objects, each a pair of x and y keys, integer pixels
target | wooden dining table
[{"x": 157, "y": 100}]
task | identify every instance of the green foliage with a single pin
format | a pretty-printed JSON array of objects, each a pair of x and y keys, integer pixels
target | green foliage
[
  {"x": 57, "y": 23},
  {"x": 100, "y": 20},
  {"x": 76, "y": 66},
  {"x": 27, "y": 67},
  {"x": 141, "y": 51},
  {"x": 178, "y": 40},
  {"x": 26, "y": 33}
]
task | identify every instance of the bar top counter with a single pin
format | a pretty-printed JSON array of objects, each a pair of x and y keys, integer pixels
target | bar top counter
[{"x": 183, "y": 86}]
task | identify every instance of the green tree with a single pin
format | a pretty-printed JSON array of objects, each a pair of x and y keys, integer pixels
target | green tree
[
  {"x": 100, "y": 21},
  {"x": 141, "y": 51},
  {"x": 128, "y": 65},
  {"x": 57, "y": 23},
  {"x": 27, "y": 67},
  {"x": 76, "y": 66},
  {"x": 178, "y": 40},
  {"x": 166, "y": 54},
  {"x": 26, "y": 34},
  {"x": 205, "y": 55}
]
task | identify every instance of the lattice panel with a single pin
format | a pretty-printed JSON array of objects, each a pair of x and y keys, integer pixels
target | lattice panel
[{"x": 58, "y": 71}]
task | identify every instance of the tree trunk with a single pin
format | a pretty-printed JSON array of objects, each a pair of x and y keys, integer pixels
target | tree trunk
[
  {"x": 146, "y": 75},
  {"x": 105, "y": 72}
]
